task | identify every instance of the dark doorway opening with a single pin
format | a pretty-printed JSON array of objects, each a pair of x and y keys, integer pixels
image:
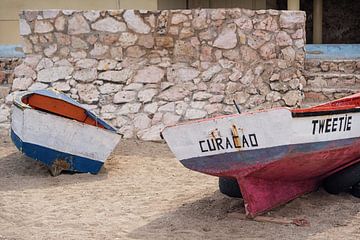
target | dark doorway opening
[{"x": 341, "y": 20}]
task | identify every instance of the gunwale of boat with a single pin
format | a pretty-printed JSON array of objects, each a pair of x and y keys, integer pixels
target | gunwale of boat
[{"x": 344, "y": 105}]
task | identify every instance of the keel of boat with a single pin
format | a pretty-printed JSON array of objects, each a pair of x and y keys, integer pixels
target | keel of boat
[{"x": 261, "y": 195}]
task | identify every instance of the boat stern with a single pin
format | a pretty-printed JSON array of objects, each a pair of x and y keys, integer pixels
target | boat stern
[{"x": 58, "y": 142}]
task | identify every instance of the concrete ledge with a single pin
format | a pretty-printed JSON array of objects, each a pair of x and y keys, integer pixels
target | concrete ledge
[
  {"x": 11, "y": 51},
  {"x": 332, "y": 51}
]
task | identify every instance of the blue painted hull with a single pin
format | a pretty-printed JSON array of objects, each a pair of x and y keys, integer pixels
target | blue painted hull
[{"x": 48, "y": 156}]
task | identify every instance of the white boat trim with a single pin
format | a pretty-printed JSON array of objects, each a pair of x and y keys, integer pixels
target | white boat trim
[{"x": 266, "y": 129}]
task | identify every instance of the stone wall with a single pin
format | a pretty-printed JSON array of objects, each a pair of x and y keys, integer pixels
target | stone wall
[
  {"x": 143, "y": 70},
  {"x": 329, "y": 79},
  {"x": 7, "y": 66}
]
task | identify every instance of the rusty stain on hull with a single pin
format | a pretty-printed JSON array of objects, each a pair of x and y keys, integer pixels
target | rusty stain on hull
[
  {"x": 235, "y": 135},
  {"x": 215, "y": 133},
  {"x": 58, "y": 166}
]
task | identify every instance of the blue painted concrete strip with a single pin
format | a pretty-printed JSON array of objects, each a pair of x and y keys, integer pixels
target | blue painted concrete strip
[
  {"x": 11, "y": 51},
  {"x": 313, "y": 51},
  {"x": 332, "y": 51}
]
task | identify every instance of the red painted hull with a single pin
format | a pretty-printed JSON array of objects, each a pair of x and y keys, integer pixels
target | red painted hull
[
  {"x": 294, "y": 177},
  {"x": 268, "y": 184}
]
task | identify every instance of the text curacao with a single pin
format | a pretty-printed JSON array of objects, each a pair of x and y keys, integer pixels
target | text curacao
[{"x": 216, "y": 144}]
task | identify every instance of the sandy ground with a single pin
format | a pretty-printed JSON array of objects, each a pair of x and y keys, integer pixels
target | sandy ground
[{"x": 144, "y": 193}]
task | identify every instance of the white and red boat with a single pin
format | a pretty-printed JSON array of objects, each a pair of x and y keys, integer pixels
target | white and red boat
[{"x": 275, "y": 155}]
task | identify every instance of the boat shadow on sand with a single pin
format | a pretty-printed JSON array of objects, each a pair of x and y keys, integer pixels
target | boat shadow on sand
[
  {"x": 19, "y": 172},
  {"x": 220, "y": 217}
]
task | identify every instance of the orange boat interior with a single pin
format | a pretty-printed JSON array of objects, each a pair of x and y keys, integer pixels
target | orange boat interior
[{"x": 60, "y": 108}]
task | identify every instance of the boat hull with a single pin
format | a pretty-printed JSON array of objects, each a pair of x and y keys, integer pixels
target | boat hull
[
  {"x": 309, "y": 156},
  {"x": 60, "y": 142},
  {"x": 274, "y": 155},
  {"x": 275, "y": 176},
  {"x": 51, "y": 157}
]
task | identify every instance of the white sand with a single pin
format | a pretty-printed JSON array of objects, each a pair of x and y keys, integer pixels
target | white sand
[{"x": 144, "y": 193}]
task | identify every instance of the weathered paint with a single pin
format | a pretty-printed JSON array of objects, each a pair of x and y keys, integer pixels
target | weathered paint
[
  {"x": 260, "y": 130},
  {"x": 49, "y": 157},
  {"x": 49, "y": 138},
  {"x": 276, "y": 155}
]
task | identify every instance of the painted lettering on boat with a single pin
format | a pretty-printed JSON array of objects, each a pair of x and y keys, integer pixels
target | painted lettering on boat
[
  {"x": 222, "y": 143},
  {"x": 335, "y": 124}
]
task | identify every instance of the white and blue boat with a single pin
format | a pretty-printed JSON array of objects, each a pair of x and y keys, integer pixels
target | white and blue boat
[{"x": 52, "y": 128}]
